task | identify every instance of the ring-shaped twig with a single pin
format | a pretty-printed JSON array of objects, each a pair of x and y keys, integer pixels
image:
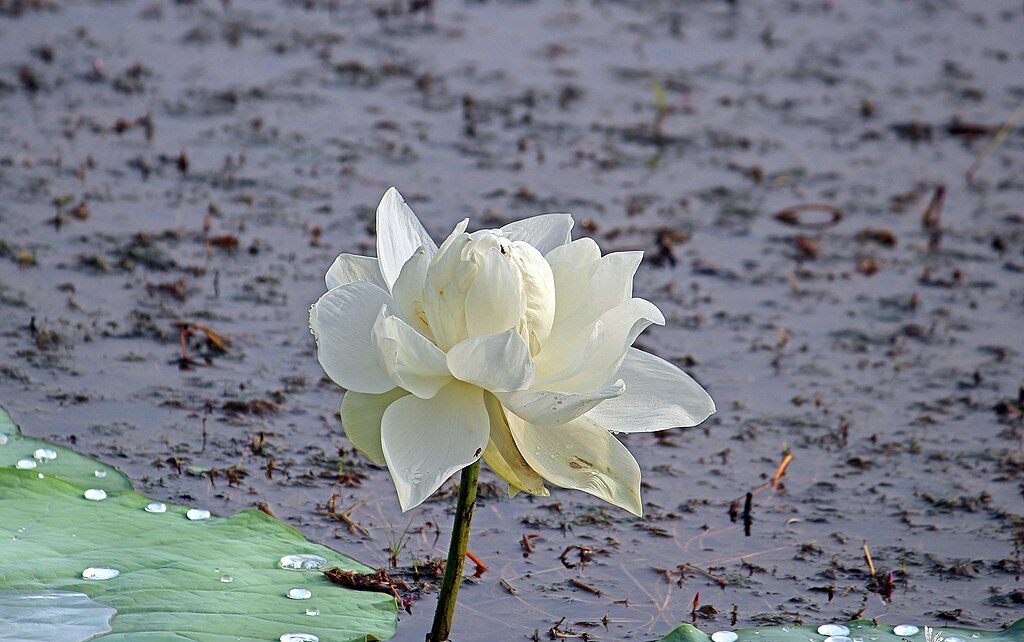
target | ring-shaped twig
[{"x": 791, "y": 215}]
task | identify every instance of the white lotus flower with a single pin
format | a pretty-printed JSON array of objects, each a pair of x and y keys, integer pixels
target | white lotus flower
[{"x": 511, "y": 344}]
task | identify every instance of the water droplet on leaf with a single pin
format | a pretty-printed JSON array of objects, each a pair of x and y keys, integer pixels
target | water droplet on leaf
[
  {"x": 25, "y": 464},
  {"x": 156, "y": 507},
  {"x": 833, "y": 629},
  {"x": 303, "y": 562},
  {"x": 299, "y": 637},
  {"x": 724, "y": 636},
  {"x": 312, "y": 612},
  {"x": 100, "y": 473},
  {"x": 196, "y": 514},
  {"x": 95, "y": 494},
  {"x": 227, "y": 579},
  {"x": 299, "y": 594},
  {"x": 100, "y": 573},
  {"x": 905, "y": 629},
  {"x": 45, "y": 454}
]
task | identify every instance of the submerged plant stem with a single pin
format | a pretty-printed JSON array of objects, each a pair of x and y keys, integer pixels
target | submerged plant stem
[{"x": 445, "y": 613}]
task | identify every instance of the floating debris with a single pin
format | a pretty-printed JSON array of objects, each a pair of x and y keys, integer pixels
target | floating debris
[
  {"x": 798, "y": 215},
  {"x": 378, "y": 581},
  {"x": 197, "y": 514},
  {"x": 99, "y": 573},
  {"x": 95, "y": 494},
  {"x": 905, "y": 630},
  {"x": 299, "y": 594},
  {"x": 156, "y": 507}
]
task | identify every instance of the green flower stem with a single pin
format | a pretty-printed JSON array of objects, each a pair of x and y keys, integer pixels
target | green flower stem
[{"x": 445, "y": 613}]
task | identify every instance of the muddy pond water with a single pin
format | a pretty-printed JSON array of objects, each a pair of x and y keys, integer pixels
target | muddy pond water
[{"x": 197, "y": 165}]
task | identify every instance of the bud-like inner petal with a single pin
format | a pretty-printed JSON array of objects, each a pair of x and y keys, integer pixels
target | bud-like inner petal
[{"x": 480, "y": 284}]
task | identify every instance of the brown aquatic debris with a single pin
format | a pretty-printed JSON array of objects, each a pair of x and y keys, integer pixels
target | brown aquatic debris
[
  {"x": 683, "y": 568},
  {"x": 584, "y": 553},
  {"x": 933, "y": 213},
  {"x": 345, "y": 516},
  {"x": 931, "y": 217},
  {"x": 527, "y": 543},
  {"x": 748, "y": 505},
  {"x": 667, "y": 240},
  {"x": 557, "y": 633},
  {"x": 215, "y": 341},
  {"x": 264, "y": 507},
  {"x": 227, "y": 242},
  {"x": 868, "y": 266},
  {"x": 586, "y": 587},
  {"x": 257, "y": 407},
  {"x": 379, "y": 582},
  {"x": 881, "y": 236},
  {"x": 807, "y": 248}
]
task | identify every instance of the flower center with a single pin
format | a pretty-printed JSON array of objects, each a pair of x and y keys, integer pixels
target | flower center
[{"x": 484, "y": 283}]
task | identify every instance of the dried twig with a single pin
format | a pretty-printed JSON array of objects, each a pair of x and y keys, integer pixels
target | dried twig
[
  {"x": 690, "y": 567},
  {"x": 781, "y": 471},
  {"x": 997, "y": 140},
  {"x": 791, "y": 215},
  {"x": 481, "y": 568},
  {"x": 508, "y": 587},
  {"x": 867, "y": 556},
  {"x": 586, "y": 587},
  {"x": 527, "y": 543}
]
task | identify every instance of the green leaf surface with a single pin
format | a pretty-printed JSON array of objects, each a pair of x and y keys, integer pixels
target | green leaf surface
[
  {"x": 170, "y": 585},
  {"x": 865, "y": 630},
  {"x": 68, "y": 465}
]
